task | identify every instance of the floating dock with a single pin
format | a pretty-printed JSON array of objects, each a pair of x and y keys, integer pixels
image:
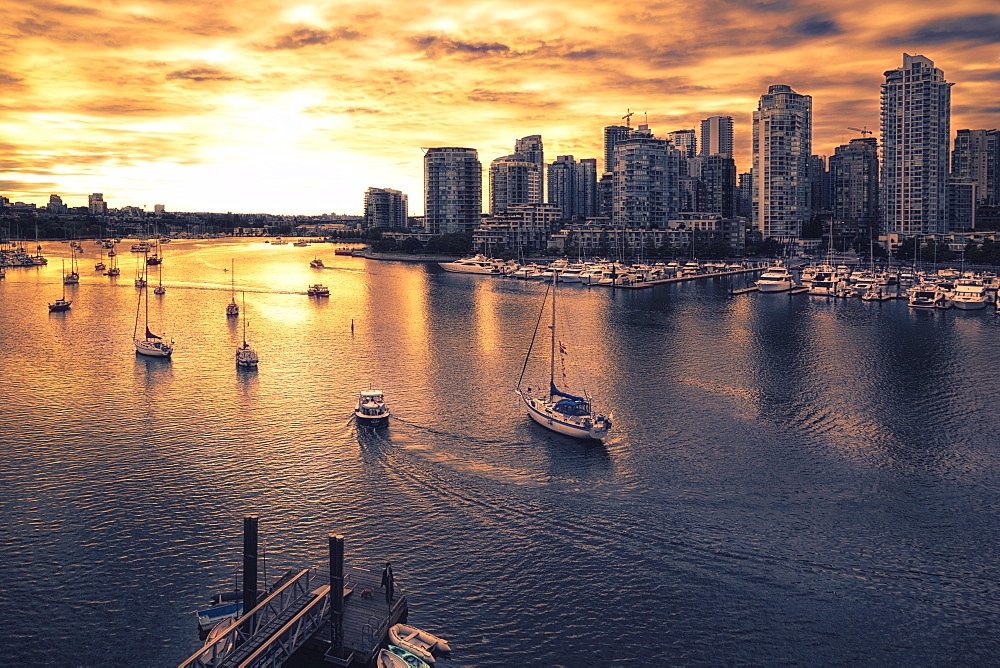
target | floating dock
[{"x": 320, "y": 616}]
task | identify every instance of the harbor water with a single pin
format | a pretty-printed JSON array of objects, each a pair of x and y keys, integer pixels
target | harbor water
[{"x": 789, "y": 480}]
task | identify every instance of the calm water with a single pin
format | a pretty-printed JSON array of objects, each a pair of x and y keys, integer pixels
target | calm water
[{"x": 790, "y": 480}]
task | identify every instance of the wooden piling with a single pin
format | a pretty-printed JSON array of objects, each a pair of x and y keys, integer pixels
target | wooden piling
[
  {"x": 249, "y": 562},
  {"x": 336, "y": 595}
]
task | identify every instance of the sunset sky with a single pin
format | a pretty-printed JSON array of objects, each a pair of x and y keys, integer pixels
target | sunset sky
[{"x": 297, "y": 107}]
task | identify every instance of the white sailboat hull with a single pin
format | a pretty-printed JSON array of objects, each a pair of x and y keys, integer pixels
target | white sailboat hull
[
  {"x": 542, "y": 412},
  {"x": 153, "y": 348}
]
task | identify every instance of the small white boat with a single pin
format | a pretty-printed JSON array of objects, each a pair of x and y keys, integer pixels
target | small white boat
[
  {"x": 421, "y": 643},
  {"x": 409, "y": 658},
  {"x": 371, "y": 409},
  {"x": 316, "y": 264},
  {"x": 318, "y": 290},
  {"x": 387, "y": 659}
]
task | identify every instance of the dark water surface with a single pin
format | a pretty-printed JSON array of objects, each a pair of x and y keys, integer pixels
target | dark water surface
[{"x": 790, "y": 480}]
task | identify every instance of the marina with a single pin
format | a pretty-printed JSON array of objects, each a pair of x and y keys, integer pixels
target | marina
[{"x": 789, "y": 479}]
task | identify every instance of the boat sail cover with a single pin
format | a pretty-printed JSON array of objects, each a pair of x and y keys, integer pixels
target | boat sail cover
[
  {"x": 150, "y": 335},
  {"x": 553, "y": 390}
]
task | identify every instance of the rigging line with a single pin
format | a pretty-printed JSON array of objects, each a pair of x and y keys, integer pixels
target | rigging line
[{"x": 541, "y": 311}]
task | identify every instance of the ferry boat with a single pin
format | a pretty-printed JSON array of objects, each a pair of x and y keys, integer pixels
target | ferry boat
[
  {"x": 318, "y": 290},
  {"x": 316, "y": 264}
]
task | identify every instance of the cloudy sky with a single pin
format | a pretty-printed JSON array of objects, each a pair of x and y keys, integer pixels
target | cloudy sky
[{"x": 297, "y": 107}]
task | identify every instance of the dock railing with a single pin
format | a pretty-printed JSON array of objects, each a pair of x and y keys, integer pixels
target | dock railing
[{"x": 214, "y": 653}]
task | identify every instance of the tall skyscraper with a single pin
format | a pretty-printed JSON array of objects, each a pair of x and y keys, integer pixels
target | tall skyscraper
[
  {"x": 531, "y": 148},
  {"x": 854, "y": 185},
  {"x": 385, "y": 208},
  {"x": 819, "y": 183},
  {"x": 718, "y": 173},
  {"x": 916, "y": 121},
  {"x": 586, "y": 187},
  {"x": 686, "y": 142},
  {"x": 612, "y": 135},
  {"x": 717, "y": 136},
  {"x": 514, "y": 180},
  {"x": 977, "y": 157},
  {"x": 646, "y": 181},
  {"x": 782, "y": 144},
  {"x": 453, "y": 190},
  {"x": 562, "y": 182}
]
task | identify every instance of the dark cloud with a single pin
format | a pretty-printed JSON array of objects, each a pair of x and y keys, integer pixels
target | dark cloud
[
  {"x": 508, "y": 98},
  {"x": 7, "y": 79},
  {"x": 971, "y": 28},
  {"x": 980, "y": 75},
  {"x": 817, "y": 26},
  {"x": 976, "y": 110},
  {"x": 66, "y": 9},
  {"x": 30, "y": 26},
  {"x": 303, "y": 37},
  {"x": 121, "y": 108},
  {"x": 26, "y": 187},
  {"x": 438, "y": 47},
  {"x": 201, "y": 74}
]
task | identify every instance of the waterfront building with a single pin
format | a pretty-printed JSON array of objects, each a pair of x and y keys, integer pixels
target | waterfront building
[
  {"x": 744, "y": 195},
  {"x": 96, "y": 204},
  {"x": 520, "y": 228},
  {"x": 916, "y": 119},
  {"x": 514, "y": 180},
  {"x": 531, "y": 148},
  {"x": 586, "y": 188},
  {"x": 782, "y": 144},
  {"x": 646, "y": 181},
  {"x": 612, "y": 135},
  {"x": 686, "y": 141},
  {"x": 605, "y": 194},
  {"x": 573, "y": 186},
  {"x": 717, "y": 172},
  {"x": 819, "y": 183},
  {"x": 56, "y": 204},
  {"x": 385, "y": 208},
  {"x": 854, "y": 178},
  {"x": 963, "y": 203},
  {"x": 976, "y": 156},
  {"x": 453, "y": 190},
  {"x": 717, "y": 136}
]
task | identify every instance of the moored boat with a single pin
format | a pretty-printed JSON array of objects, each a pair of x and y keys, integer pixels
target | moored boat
[
  {"x": 776, "y": 278},
  {"x": 409, "y": 659},
  {"x": 477, "y": 264},
  {"x": 425, "y": 645}
]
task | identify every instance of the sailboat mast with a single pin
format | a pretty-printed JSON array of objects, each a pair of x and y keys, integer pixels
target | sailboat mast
[{"x": 552, "y": 348}]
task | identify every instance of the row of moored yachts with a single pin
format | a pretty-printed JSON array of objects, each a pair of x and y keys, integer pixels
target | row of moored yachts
[
  {"x": 588, "y": 273},
  {"x": 944, "y": 288}
]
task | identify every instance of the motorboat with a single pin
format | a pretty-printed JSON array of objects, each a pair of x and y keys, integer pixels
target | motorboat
[
  {"x": 926, "y": 297},
  {"x": 477, "y": 264},
  {"x": 874, "y": 294},
  {"x": 775, "y": 278},
  {"x": 318, "y": 290},
  {"x": 209, "y": 618},
  {"x": 316, "y": 263},
  {"x": 409, "y": 659},
  {"x": 969, "y": 295},
  {"x": 425, "y": 645},
  {"x": 371, "y": 409}
]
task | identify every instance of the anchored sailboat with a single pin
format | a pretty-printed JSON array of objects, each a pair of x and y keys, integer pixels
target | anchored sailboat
[
  {"x": 232, "y": 308},
  {"x": 149, "y": 344},
  {"x": 61, "y": 304},
  {"x": 246, "y": 357},
  {"x": 555, "y": 409}
]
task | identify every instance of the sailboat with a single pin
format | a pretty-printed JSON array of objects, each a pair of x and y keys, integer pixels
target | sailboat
[
  {"x": 113, "y": 270},
  {"x": 246, "y": 357},
  {"x": 159, "y": 290},
  {"x": 232, "y": 308},
  {"x": 140, "y": 275},
  {"x": 149, "y": 344},
  {"x": 73, "y": 276},
  {"x": 61, "y": 304},
  {"x": 100, "y": 266},
  {"x": 555, "y": 409}
]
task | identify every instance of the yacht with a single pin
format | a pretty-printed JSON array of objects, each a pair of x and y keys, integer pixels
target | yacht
[
  {"x": 775, "y": 278},
  {"x": 371, "y": 410},
  {"x": 969, "y": 295},
  {"x": 477, "y": 264},
  {"x": 926, "y": 296},
  {"x": 318, "y": 290}
]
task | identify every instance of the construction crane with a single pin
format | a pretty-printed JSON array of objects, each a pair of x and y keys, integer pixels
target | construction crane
[
  {"x": 863, "y": 132},
  {"x": 628, "y": 118}
]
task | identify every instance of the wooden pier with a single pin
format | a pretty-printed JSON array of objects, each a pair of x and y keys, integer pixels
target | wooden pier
[{"x": 299, "y": 622}]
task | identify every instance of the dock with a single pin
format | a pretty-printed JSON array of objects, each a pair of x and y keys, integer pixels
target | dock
[
  {"x": 681, "y": 279},
  {"x": 299, "y": 621}
]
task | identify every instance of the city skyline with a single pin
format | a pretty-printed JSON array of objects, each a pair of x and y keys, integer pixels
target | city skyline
[{"x": 301, "y": 109}]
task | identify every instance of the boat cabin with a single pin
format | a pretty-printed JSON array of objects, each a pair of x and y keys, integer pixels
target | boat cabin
[
  {"x": 371, "y": 402},
  {"x": 573, "y": 407}
]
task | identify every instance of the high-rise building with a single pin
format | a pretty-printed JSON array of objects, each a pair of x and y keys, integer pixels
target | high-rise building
[
  {"x": 612, "y": 135},
  {"x": 685, "y": 141},
  {"x": 819, "y": 183},
  {"x": 514, "y": 180},
  {"x": 385, "y": 208},
  {"x": 718, "y": 174},
  {"x": 782, "y": 144},
  {"x": 96, "y": 204},
  {"x": 854, "y": 184},
  {"x": 586, "y": 188},
  {"x": 717, "y": 136},
  {"x": 531, "y": 148},
  {"x": 744, "y": 195},
  {"x": 916, "y": 120},
  {"x": 646, "y": 181},
  {"x": 453, "y": 190},
  {"x": 977, "y": 157},
  {"x": 56, "y": 204},
  {"x": 562, "y": 181}
]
